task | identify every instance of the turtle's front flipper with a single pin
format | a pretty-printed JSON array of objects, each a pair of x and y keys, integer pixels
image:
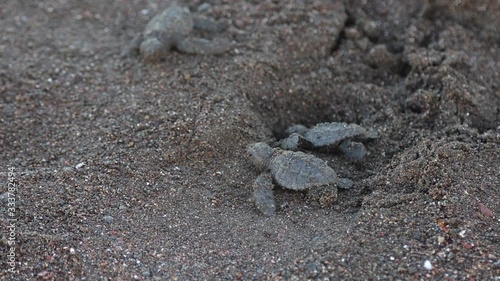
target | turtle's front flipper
[{"x": 263, "y": 194}]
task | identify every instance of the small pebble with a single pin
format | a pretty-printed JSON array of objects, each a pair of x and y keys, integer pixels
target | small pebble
[
  {"x": 313, "y": 269},
  {"x": 427, "y": 265},
  {"x": 80, "y": 165},
  {"x": 352, "y": 33},
  {"x": 67, "y": 169},
  {"x": 451, "y": 256},
  {"x": 412, "y": 270},
  {"x": 380, "y": 57},
  {"x": 108, "y": 219},
  {"x": 204, "y": 7},
  {"x": 441, "y": 239},
  {"x": 371, "y": 29},
  {"x": 4, "y": 197},
  {"x": 286, "y": 274},
  {"x": 362, "y": 44}
]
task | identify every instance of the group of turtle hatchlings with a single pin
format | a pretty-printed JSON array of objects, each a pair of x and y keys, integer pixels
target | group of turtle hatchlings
[
  {"x": 284, "y": 165},
  {"x": 289, "y": 168}
]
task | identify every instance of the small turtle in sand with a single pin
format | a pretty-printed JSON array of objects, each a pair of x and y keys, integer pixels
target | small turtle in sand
[
  {"x": 335, "y": 135},
  {"x": 295, "y": 171},
  {"x": 173, "y": 28}
]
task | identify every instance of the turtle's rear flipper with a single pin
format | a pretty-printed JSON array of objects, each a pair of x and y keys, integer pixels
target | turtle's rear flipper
[{"x": 263, "y": 194}]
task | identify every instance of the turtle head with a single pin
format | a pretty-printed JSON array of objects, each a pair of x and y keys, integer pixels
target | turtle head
[{"x": 260, "y": 153}]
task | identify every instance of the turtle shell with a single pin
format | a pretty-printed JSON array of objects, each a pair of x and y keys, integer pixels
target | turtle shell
[
  {"x": 331, "y": 134},
  {"x": 175, "y": 20},
  {"x": 300, "y": 171}
]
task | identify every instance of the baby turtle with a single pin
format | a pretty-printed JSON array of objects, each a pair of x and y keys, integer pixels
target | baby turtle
[
  {"x": 173, "y": 28},
  {"x": 292, "y": 170},
  {"x": 335, "y": 135}
]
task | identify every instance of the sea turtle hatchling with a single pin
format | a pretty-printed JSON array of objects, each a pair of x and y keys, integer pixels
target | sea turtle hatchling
[
  {"x": 292, "y": 170},
  {"x": 335, "y": 135},
  {"x": 173, "y": 28}
]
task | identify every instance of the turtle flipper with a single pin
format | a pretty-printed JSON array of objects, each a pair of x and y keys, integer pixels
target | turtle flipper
[
  {"x": 263, "y": 194},
  {"x": 294, "y": 142}
]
